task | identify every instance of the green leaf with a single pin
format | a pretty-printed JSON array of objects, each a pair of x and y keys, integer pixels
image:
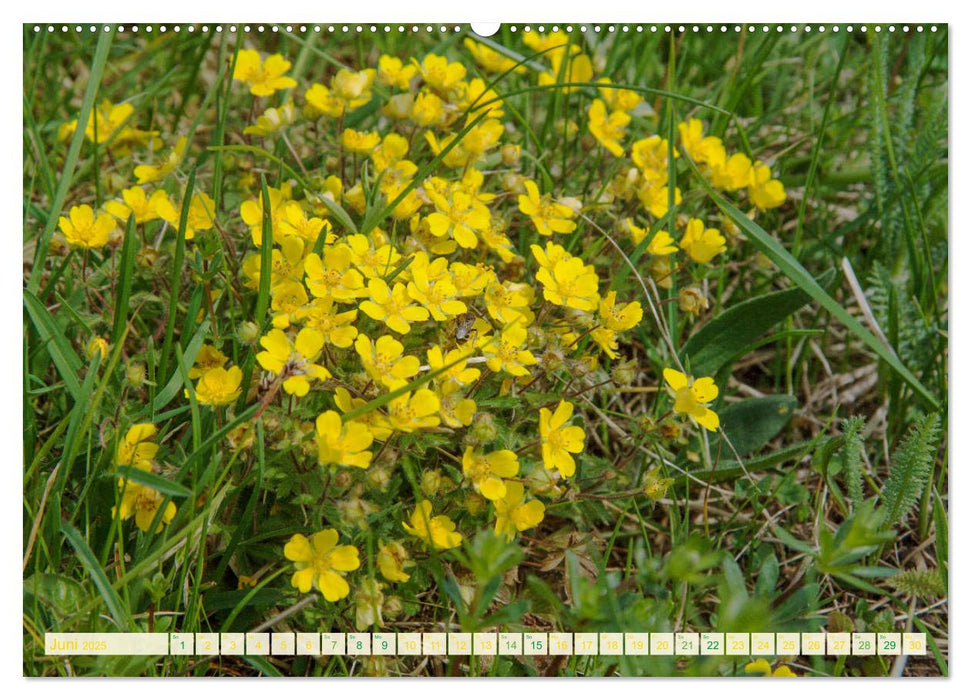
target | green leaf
[
  {"x": 792, "y": 269},
  {"x": 125, "y": 275},
  {"x": 172, "y": 387},
  {"x": 65, "y": 359},
  {"x": 163, "y": 486},
  {"x": 73, "y": 152},
  {"x": 98, "y": 576},
  {"x": 729, "y": 334},
  {"x": 751, "y": 423}
]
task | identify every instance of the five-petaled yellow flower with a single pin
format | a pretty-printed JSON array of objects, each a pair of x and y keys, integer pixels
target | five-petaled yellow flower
[
  {"x": 83, "y": 229},
  {"x": 342, "y": 443},
  {"x": 487, "y": 471},
  {"x": 136, "y": 449},
  {"x": 514, "y": 513},
  {"x": 702, "y": 244},
  {"x": 691, "y": 398},
  {"x": 558, "y": 440},
  {"x": 143, "y": 502},
  {"x": 438, "y": 531},
  {"x": 548, "y": 217},
  {"x": 263, "y": 77},
  {"x": 218, "y": 386},
  {"x": 321, "y": 563},
  {"x": 294, "y": 361}
]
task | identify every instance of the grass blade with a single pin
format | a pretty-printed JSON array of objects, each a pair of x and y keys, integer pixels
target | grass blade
[{"x": 792, "y": 269}]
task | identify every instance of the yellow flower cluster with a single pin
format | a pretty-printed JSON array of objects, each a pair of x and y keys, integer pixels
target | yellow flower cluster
[{"x": 394, "y": 293}]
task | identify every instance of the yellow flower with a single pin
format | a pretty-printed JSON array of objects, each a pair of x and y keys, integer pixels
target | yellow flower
[
  {"x": 473, "y": 145},
  {"x": 491, "y": 60},
  {"x": 97, "y": 345},
  {"x": 321, "y": 563},
  {"x": 251, "y": 211},
  {"x": 81, "y": 228},
  {"x": 218, "y": 387},
  {"x": 135, "y": 201},
  {"x": 558, "y": 440},
  {"x": 410, "y": 412},
  {"x": 571, "y": 284},
  {"x": 731, "y": 174},
  {"x": 200, "y": 217},
  {"x": 457, "y": 373},
  {"x": 359, "y": 141},
  {"x": 548, "y": 217},
  {"x": 515, "y": 514},
  {"x": 702, "y": 244},
  {"x": 763, "y": 667},
  {"x": 143, "y": 502},
  {"x": 487, "y": 471},
  {"x": 608, "y": 130},
  {"x": 701, "y": 148},
  {"x": 437, "y": 531},
  {"x": 619, "y": 317},
  {"x": 137, "y": 450},
  {"x": 431, "y": 286},
  {"x": 654, "y": 197},
  {"x": 342, "y": 443},
  {"x": 348, "y": 91},
  {"x": 439, "y": 73},
  {"x": 293, "y": 361},
  {"x": 392, "y": 306},
  {"x": 459, "y": 216},
  {"x": 288, "y": 297},
  {"x": 507, "y": 352},
  {"x": 650, "y": 155},
  {"x": 263, "y": 77},
  {"x": 272, "y": 120},
  {"x": 152, "y": 173},
  {"x": 691, "y": 397},
  {"x": 384, "y": 362},
  {"x": 375, "y": 421},
  {"x": 579, "y": 69},
  {"x": 336, "y": 328},
  {"x": 393, "y": 73},
  {"x": 392, "y": 560},
  {"x": 765, "y": 192},
  {"x": 428, "y": 109},
  {"x": 332, "y": 276},
  {"x": 620, "y": 99},
  {"x": 372, "y": 255},
  {"x": 207, "y": 358},
  {"x": 661, "y": 245}
]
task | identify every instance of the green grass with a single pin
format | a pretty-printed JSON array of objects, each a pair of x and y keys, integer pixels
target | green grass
[{"x": 793, "y": 517}]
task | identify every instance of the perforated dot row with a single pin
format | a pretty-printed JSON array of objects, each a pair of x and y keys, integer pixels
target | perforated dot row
[{"x": 428, "y": 28}]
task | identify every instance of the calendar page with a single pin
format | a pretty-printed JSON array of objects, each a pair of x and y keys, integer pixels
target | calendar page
[{"x": 585, "y": 349}]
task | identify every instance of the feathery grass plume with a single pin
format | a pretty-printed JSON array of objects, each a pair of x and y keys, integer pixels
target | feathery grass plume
[
  {"x": 924, "y": 583},
  {"x": 910, "y": 468},
  {"x": 850, "y": 458}
]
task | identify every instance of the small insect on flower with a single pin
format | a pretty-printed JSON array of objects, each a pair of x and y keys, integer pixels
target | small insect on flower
[{"x": 321, "y": 564}]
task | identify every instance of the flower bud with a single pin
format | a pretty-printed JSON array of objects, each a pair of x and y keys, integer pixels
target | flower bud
[
  {"x": 248, "y": 332},
  {"x": 624, "y": 373},
  {"x": 692, "y": 300},
  {"x": 511, "y": 154},
  {"x": 484, "y": 428},
  {"x": 135, "y": 374},
  {"x": 431, "y": 482},
  {"x": 96, "y": 345}
]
